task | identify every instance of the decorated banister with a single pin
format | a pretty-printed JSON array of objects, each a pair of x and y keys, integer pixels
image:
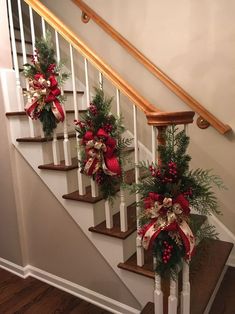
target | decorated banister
[
  {"x": 79, "y": 45},
  {"x": 88, "y": 13}
]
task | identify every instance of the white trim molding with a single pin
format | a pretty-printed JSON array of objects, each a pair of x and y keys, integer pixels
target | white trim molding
[{"x": 70, "y": 287}]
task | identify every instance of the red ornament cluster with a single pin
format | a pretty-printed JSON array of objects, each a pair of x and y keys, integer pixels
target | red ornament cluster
[
  {"x": 167, "y": 252},
  {"x": 167, "y": 174}
]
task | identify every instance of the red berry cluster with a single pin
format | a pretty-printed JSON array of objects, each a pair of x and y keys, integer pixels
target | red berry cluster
[
  {"x": 93, "y": 110},
  {"x": 165, "y": 175},
  {"x": 167, "y": 252},
  {"x": 51, "y": 68},
  {"x": 99, "y": 177},
  {"x": 188, "y": 193},
  {"x": 79, "y": 123},
  {"x": 108, "y": 127}
]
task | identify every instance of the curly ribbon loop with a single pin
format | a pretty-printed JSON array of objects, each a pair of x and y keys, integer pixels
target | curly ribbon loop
[
  {"x": 100, "y": 152},
  {"x": 168, "y": 217},
  {"x": 44, "y": 91}
]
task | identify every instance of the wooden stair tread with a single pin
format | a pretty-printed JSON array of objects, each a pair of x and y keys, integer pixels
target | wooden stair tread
[
  {"x": 224, "y": 302},
  {"x": 26, "y": 41},
  {"x": 147, "y": 269},
  {"x": 203, "y": 279},
  {"x": 115, "y": 231},
  {"x": 61, "y": 167},
  {"x": 28, "y": 55},
  {"x": 74, "y": 196},
  {"x": 148, "y": 309},
  {"x": 39, "y": 139},
  {"x": 23, "y": 113}
]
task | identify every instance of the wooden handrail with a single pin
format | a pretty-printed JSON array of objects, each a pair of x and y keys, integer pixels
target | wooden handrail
[
  {"x": 106, "y": 70},
  {"x": 129, "y": 91},
  {"x": 175, "y": 88}
]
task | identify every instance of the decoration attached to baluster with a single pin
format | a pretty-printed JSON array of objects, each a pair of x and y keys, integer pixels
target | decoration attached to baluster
[
  {"x": 45, "y": 80},
  {"x": 168, "y": 191},
  {"x": 101, "y": 145}
]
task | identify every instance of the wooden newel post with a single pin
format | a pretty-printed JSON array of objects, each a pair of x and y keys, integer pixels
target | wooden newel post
[{"x": 161, "y": 140}]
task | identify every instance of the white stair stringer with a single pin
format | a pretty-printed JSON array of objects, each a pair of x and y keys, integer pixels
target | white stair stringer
[{"x": 114, "y": 250}]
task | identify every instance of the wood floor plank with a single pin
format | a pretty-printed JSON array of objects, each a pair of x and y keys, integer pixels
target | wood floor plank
[{"x": 31, "y": 296}]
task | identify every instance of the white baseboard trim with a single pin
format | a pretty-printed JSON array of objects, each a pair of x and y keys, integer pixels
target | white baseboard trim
[
  {"x": 88, "y": 295},
  {"x": 13, "y": 268}
]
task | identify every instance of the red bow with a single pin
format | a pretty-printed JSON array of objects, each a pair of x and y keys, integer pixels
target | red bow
[
  {"x": 46, "y": 91},
  {"x": 100, "y": 152}
]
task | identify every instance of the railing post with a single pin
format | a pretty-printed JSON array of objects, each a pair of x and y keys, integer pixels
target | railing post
[
  {"x": 172, "y": 299},
  {"x": 185, "y": 294},
  {"x": 160, "y": 139},
  {"x": 158, "y": 296}
]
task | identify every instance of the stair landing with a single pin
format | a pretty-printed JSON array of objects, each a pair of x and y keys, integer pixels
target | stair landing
[{"x": 205, "y": 271}]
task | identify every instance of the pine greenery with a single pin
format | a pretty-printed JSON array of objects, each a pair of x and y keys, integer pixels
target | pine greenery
[
  {"x": 96, "y": 117},
  {"x": 195, "y": 185}
]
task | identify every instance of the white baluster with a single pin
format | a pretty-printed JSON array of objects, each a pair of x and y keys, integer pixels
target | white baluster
[
  {"x": 186, "y": 129},
  {"x": 108, "y": 215},
  {"x": 185, "y": 294},
  {"x": 81, "y": 186},
  {"x": 22, "y": 32},
  {"x": 139, "y": 248},
  {"x": 123, "y": 207},
  {"x": 20, "y": 99},
  {"x": 66, "y": 142},
  {"x": 158, "y": 296},
  {"x": 31, "y": 19},
  {"x": 43, "y": 27},
  {"x": 172, "y": 299},
  {"x": 32, "y": 124},
  {"x": 101, "y": 82},
  {"x": 118, "y": 102},
  {"x": 154, "y": 139},
  {"x": 94, "y": 187}
]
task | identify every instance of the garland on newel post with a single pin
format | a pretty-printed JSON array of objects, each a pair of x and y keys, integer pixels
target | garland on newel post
[
  {"x": 167, "y": 193},
  {"x": 102, "y": 145},
  {"x": 45, "y": 80}
]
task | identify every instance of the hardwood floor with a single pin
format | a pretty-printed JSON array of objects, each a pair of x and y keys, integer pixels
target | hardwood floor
[{"x": 31, "y": 296}]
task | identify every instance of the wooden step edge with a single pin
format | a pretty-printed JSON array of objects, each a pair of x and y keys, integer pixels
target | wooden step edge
[
  {"x": 148, "y": 309},
  {"x": 116, "y": 231},
  {"x": 18, "y": 40},
  {"x": 74, "y": 196},
  {"x": 23, "y": 113},
  {"x": 40, "y": 139},
  {"x": 28, "y": 55},
  {"x": 204, "y": 280},
  {"x": 136, "y": 269},
  {"x": 87, "y": 198},
  {"x": 61, "y": 166}
]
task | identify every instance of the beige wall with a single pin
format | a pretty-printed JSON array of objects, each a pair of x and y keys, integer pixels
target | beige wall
[
  {"x": 193, "y": 42},
  {"x": 56, "y": 244},
  {"x": 10, "y": 247}
]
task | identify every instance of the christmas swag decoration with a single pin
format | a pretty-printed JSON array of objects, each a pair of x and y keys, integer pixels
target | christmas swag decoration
[
  {"x": 45, "y": 79},
  {"x": 101, "y": 145},
  {"x": 167, "y": 193}
]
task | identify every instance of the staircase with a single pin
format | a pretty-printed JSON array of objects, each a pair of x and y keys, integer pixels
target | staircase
[{"x": 87, "y": 209}]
